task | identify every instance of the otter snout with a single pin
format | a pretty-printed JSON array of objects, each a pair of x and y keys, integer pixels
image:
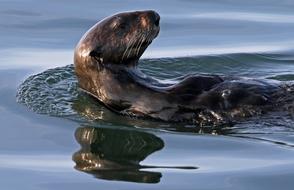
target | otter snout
[
  {"x": 150, "y": 19},
  {"x": 155, "y": 18}
]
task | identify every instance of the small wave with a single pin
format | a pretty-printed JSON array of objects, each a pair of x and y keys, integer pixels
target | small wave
[
  {"x": 51, "y": 92},
  {"x": 285, "y": 77}
]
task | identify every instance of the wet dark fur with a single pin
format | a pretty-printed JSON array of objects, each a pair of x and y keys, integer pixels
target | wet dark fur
[{"x": 106, "y": 61}]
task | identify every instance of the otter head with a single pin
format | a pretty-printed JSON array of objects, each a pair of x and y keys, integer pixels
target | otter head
[{"x": 119, "y": 39}]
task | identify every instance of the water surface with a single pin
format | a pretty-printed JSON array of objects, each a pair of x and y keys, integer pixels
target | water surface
[{"x": 56, "y": 137}]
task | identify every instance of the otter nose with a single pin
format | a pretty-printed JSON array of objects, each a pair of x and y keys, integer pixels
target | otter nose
[
  {"x": 157, "y": 19},
  {"x": 154, "y": 17}
]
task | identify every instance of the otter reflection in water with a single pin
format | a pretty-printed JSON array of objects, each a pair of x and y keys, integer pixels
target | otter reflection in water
[{"x": 115, "y": 154}]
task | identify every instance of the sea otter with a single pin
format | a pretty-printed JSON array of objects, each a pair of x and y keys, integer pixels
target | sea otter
[{"x": 106, "y": 65}]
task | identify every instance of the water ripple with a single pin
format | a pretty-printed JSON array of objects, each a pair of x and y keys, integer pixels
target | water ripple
[{"x": 55, "y": 92}]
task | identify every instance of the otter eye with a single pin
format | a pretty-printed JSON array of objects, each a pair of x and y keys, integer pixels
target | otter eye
[
  {"x": 96, "y": 54},
  {"x": 123, "y": 25}
]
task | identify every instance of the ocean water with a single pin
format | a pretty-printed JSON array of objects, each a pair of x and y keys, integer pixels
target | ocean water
[{"x": 53, "y": 136}]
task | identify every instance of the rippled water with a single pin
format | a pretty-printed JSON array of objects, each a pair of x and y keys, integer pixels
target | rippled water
[{"x": 55, "y": 136}]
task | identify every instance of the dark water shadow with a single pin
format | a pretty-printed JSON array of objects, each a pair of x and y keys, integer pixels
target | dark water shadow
[{"x": 115, "y": 154}]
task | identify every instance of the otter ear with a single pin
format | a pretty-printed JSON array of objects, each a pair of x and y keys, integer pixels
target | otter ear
[{"x": 96, "y": 54}]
